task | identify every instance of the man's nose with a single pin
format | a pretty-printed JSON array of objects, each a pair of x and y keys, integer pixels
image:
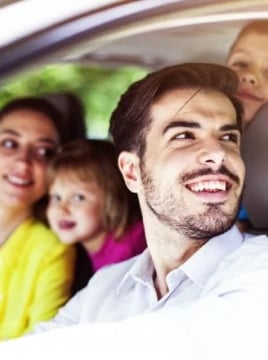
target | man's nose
[{"x": 212, "y": 154}]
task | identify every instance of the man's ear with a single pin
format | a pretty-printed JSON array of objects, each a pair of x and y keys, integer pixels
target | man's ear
[{"x": 129, "y": 166}]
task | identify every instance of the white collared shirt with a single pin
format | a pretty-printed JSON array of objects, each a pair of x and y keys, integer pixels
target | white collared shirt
[{"x": 126, "y": 289}]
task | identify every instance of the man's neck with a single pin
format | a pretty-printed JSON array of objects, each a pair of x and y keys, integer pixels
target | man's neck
[{"x": 169, "y": 250}]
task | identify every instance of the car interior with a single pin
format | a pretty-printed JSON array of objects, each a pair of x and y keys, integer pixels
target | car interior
[
  {"x": 144, "y": 35},
  {"x": 117, "y": 35},
  {"x": 136, "y": 37}
]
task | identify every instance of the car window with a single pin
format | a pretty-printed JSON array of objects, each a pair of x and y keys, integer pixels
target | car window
[{"x": 97, "y": 50}]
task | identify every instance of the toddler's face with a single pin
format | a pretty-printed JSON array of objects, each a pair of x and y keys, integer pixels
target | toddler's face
[
  {"x": 75, "y": 209},
  {"x": 249, "y": 59}
]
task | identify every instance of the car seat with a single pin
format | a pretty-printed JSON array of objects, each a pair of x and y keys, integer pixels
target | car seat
[
  {"x": 255, "y": 154},
  {"x": 72, "y": 111}
]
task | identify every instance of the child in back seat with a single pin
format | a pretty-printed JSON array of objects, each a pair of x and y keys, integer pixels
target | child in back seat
[
  {"x": 248, "y": 57},
  {"x": 89, "y": 204}
]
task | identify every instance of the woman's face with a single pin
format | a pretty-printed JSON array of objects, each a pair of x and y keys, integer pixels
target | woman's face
[{"x": 28, "y": 139}]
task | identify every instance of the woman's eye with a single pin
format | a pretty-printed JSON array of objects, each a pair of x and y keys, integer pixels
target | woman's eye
[
  {"x": 78, "y": 197},
  {"x": 45, "y": 153},
  {"x": 184, "y": 135},
  {"x": 9, "y": 144}
]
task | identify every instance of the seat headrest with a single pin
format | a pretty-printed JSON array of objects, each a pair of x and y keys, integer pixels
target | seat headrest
[
  {"x": 255, "y": 154},
  {"x": 72, "y": 111}
]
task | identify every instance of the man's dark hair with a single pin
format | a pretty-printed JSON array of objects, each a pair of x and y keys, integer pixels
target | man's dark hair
[{"x": 131, "y": 119}]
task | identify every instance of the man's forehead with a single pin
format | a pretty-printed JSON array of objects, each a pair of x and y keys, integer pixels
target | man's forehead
[
  {"x": 188, "y": 91},
  {"x": 194, "y": 105},
  {"x": 189, "y": 99}
]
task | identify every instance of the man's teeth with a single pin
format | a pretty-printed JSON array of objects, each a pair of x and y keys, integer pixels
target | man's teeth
[
  {"x": 208, "y": 186},
  {"x": 18, "y": 181}
]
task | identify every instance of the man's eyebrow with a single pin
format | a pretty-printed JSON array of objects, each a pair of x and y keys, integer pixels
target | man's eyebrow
[
  {"x": 195, "y": 125},
  {"x": 229, "y": 127},
  {"x": 181, "y": 123}
]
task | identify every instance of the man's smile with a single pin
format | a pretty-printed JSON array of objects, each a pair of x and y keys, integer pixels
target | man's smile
[{"x": 211, "y": 186}]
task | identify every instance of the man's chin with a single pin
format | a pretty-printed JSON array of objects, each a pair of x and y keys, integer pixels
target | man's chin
[{"x": 209, "y": 225}]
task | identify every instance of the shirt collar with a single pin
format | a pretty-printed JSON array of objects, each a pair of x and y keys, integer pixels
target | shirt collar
[
  {"x": 142, "y": 270},
  {"x": 210, "y": 254}
]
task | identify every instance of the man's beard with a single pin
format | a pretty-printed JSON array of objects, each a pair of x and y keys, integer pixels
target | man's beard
[{"x": 174, "y": 213}]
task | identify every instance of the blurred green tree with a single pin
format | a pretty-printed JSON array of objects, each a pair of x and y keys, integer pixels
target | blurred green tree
[{"x": 98, "y": 88}]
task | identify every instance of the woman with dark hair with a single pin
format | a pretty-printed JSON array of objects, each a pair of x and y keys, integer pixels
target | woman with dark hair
[{"x": 36, "y": 269}]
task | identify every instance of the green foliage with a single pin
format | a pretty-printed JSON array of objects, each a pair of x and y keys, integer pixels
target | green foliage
[{"x": 98, "y": 88}]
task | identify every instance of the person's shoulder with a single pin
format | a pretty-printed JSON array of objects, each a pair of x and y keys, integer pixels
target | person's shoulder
[
  {"x": 43, "y": 236},
  {"x": 38, "y": 227},
  {"x": 254, "y": 245},
  {"x": 244, "y": 268},
  {"x": 252, "y": 252},
  {"x": 112, "y": 274},
  {"x": 118, "y": 268}
]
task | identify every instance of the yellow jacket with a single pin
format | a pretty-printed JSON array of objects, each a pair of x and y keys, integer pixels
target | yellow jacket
[{"x": 36, "y": 273}]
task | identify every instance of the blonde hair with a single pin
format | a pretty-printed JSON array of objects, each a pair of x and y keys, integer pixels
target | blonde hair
[
  {"x": 258, "y": 26},
  {"x": 96, "y": 160}
]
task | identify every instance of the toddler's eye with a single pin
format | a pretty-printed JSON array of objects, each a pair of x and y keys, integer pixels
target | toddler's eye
[
  {"x": 78, "y": 197},
  {"x": 54, "y": 198},
  {"x": 240, "y": 64}
]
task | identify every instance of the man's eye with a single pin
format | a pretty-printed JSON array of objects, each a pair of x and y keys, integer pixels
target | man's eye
[
  {"x": 184, "y": 135},
  {"x": 231, "y": 137},
  {"x": 9, "y": 144},
  {"x": 78, "y": 197}
]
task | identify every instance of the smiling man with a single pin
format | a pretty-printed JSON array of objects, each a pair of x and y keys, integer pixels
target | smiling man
[
  {"x": 187, "y": 169},
  {"x": 178, "y": 134}
]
